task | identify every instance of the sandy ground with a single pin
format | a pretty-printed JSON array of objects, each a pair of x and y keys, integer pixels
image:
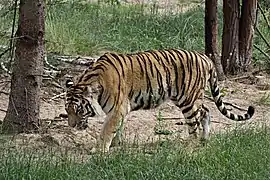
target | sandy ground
[{"x": 140, "y": 126}]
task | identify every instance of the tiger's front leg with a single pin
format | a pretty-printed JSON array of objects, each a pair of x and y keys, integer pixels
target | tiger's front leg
[{"x": 111, "y": 127}]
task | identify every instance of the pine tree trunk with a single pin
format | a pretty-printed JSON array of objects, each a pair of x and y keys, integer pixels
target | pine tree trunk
[
  {"x": 211, "y": 34},
  {"x": 247, "y": 23},
  {"x": 230, "y": 37},
  {"x": 23, "y": 109}
]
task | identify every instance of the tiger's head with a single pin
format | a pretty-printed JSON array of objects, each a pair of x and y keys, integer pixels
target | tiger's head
[{"x": 81, "y": 102}]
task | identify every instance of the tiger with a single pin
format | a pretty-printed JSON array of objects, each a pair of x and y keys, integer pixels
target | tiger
[{"x": 117, "y": 84}]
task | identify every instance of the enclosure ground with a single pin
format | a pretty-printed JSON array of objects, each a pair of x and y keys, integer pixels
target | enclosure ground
[{"x": 141, "y": 126}]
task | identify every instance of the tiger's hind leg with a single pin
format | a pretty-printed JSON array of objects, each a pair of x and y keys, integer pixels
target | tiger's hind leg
[
  {"x": 197, "y": 117},
  {"x": 205, "y": 122}
]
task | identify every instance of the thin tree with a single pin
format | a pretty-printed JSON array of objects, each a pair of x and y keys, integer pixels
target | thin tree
[
  {"x": 238, "y": 30},
  {"x": 246, "y": 31},
  {"x": 211, "y": 35},
  {"x": 23, "y": 108},
  {"x": 230, "y": 36}
]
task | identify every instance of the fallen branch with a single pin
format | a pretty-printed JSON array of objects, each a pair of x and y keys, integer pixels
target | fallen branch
[
  {"x": 169, "y": 118},
  {"x": 76, "y": 61},
  {"x": 5, "y": 81},
  {"x": 63, "y": 115},
  {"x": 50, "y": 71},
  {"x": 50, "y": 65},
  {"x": 235, "y": 106},
  {"x": 3, "y": 110},
  {"x": 228, "y": 104},
  {"x": 5, "y": 51},
  {"x": 262, "y": 36},
  {"x": 239, "y": 78},
  {"x": 4, "y": 92},
  {"x": 221, "y": 122},
  {"x": 265, "y": 18},
  {"x": 57, "y": 96},
  {"x": 263, "y": 52},
  {"x": 5, "y": 68}
]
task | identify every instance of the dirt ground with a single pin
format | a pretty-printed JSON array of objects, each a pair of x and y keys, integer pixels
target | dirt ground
[{"x": 140, "y": 126}]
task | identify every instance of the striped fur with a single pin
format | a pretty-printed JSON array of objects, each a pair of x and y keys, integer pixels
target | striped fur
[{"x": 118, "y": 84}]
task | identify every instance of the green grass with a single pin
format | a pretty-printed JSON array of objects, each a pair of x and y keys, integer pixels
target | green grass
[
  {"x": 87, "y": 29},
  {"x": 240, "y": 154}
]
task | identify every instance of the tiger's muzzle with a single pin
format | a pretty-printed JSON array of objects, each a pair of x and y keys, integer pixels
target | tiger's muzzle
[{"x": 75, "y": 120}]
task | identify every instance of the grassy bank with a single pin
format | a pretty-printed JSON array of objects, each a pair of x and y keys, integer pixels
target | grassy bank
[
  {"x": 240, "y": 154},
  {"x": 87, "y": 29}
]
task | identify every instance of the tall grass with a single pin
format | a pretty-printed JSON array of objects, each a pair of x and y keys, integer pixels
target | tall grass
[
  {"x": 74, "y": 28},
  {"x": 240, "y": 154}
]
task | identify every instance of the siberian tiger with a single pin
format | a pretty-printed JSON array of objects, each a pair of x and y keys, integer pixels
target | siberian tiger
[{"x": 119, "y": 83}]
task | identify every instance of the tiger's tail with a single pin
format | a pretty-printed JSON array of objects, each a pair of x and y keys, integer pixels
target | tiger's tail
[{"x": 220, "y": 105}]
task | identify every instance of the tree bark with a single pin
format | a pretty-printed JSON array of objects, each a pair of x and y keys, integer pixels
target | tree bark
[
  {"x": 230, "y": 37},
  {"x": 247, "y": 23},
  {"x": 23, "y": 109},
  {"x": 211, "y": 34}
]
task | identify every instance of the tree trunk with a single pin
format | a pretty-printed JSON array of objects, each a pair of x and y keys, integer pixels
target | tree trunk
[
  {"x": 211, "y": 34},
  {"x": 23, "y": 109},
  {"x": 247, "y": 23},
  {"x": 230, "y": 37}
]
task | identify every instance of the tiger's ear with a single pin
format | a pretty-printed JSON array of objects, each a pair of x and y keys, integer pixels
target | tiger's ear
[{"x": 69, "y": 83}]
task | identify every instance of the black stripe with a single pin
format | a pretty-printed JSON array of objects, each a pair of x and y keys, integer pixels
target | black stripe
[
  {"x": 240, "y": 118},
  {"x": 196, "y": 86},
  {"x": 120, "y": 62},
  {"x": 193, "y": 114},
  {"x": 165, "y": 57},
  {"x": 215, "y": 93},
  {"x": 173, "y": 63},
  {"x": 115, "y": 102},
  {"x": 137, "y": 97},
  {"x": 187, "y": 109},
  {"x": 183, "y": 84},
  {"x": 101, "y": 66},
  {"x": 100, "y": 95},
  {"x": 123, "y": 57},
  {"x": 232, "y": 116},
  {"x": 131, "y": 93},
  {"x": 150, "y": 61},
  {"x": 160, "y": 82},
  {"x": 119, "y": 78},
  {"x": 167, "y": 73},
  {"x": 219, "y": 102},
  {"x": 105, "y": 103},
  {"x": 224, "y": 111},
  {"x": 89, "y": 76},
  {"x": 139, "y": 61},
  {"x": 131, "y": 63},
  {"x": 140, "y": 105},
  {"x": 148, "y": 81}
]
